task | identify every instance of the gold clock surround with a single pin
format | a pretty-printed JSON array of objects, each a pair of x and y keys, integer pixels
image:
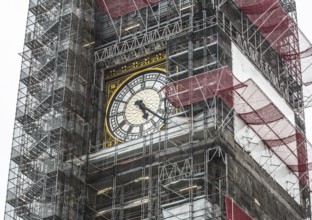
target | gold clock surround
[{"x": 114, "y": 88}]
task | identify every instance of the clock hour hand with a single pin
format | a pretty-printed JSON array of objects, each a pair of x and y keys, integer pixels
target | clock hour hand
[{"x": 144, "y": 109}]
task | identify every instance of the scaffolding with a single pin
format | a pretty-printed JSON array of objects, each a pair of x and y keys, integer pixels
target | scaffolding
[
  {"x": 277, "y": 24},
  {"x": 53, "y": 114},
  {"x": 251, "y": 104},
  {"x": 227, "y": 151},
  {"x": 119, "y": 8},
  {"x": 167, "y": 174}
]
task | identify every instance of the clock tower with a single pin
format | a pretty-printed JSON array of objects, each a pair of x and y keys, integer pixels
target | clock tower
[
  {"x": 160, "y": 110},
  {"x": 183, "y": 105}
]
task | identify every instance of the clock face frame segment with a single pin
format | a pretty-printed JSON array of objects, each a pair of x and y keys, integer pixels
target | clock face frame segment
[{"x": 124, "y": 119}]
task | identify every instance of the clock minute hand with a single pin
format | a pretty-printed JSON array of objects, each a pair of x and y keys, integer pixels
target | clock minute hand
[
  {"x": 142, "y": 106},
  {"x": 147, "y": 109}
]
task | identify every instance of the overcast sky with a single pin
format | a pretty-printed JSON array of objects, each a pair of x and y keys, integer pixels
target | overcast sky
[{"x": 13, "y": 21}]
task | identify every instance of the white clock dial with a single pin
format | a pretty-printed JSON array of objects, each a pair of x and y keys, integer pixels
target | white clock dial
[
  {"x": 125, "y": 119},
  {"x": 150, "y": 98}
]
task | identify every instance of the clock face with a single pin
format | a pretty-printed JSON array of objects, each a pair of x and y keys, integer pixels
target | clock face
[{"x": 137, "y": 107}]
